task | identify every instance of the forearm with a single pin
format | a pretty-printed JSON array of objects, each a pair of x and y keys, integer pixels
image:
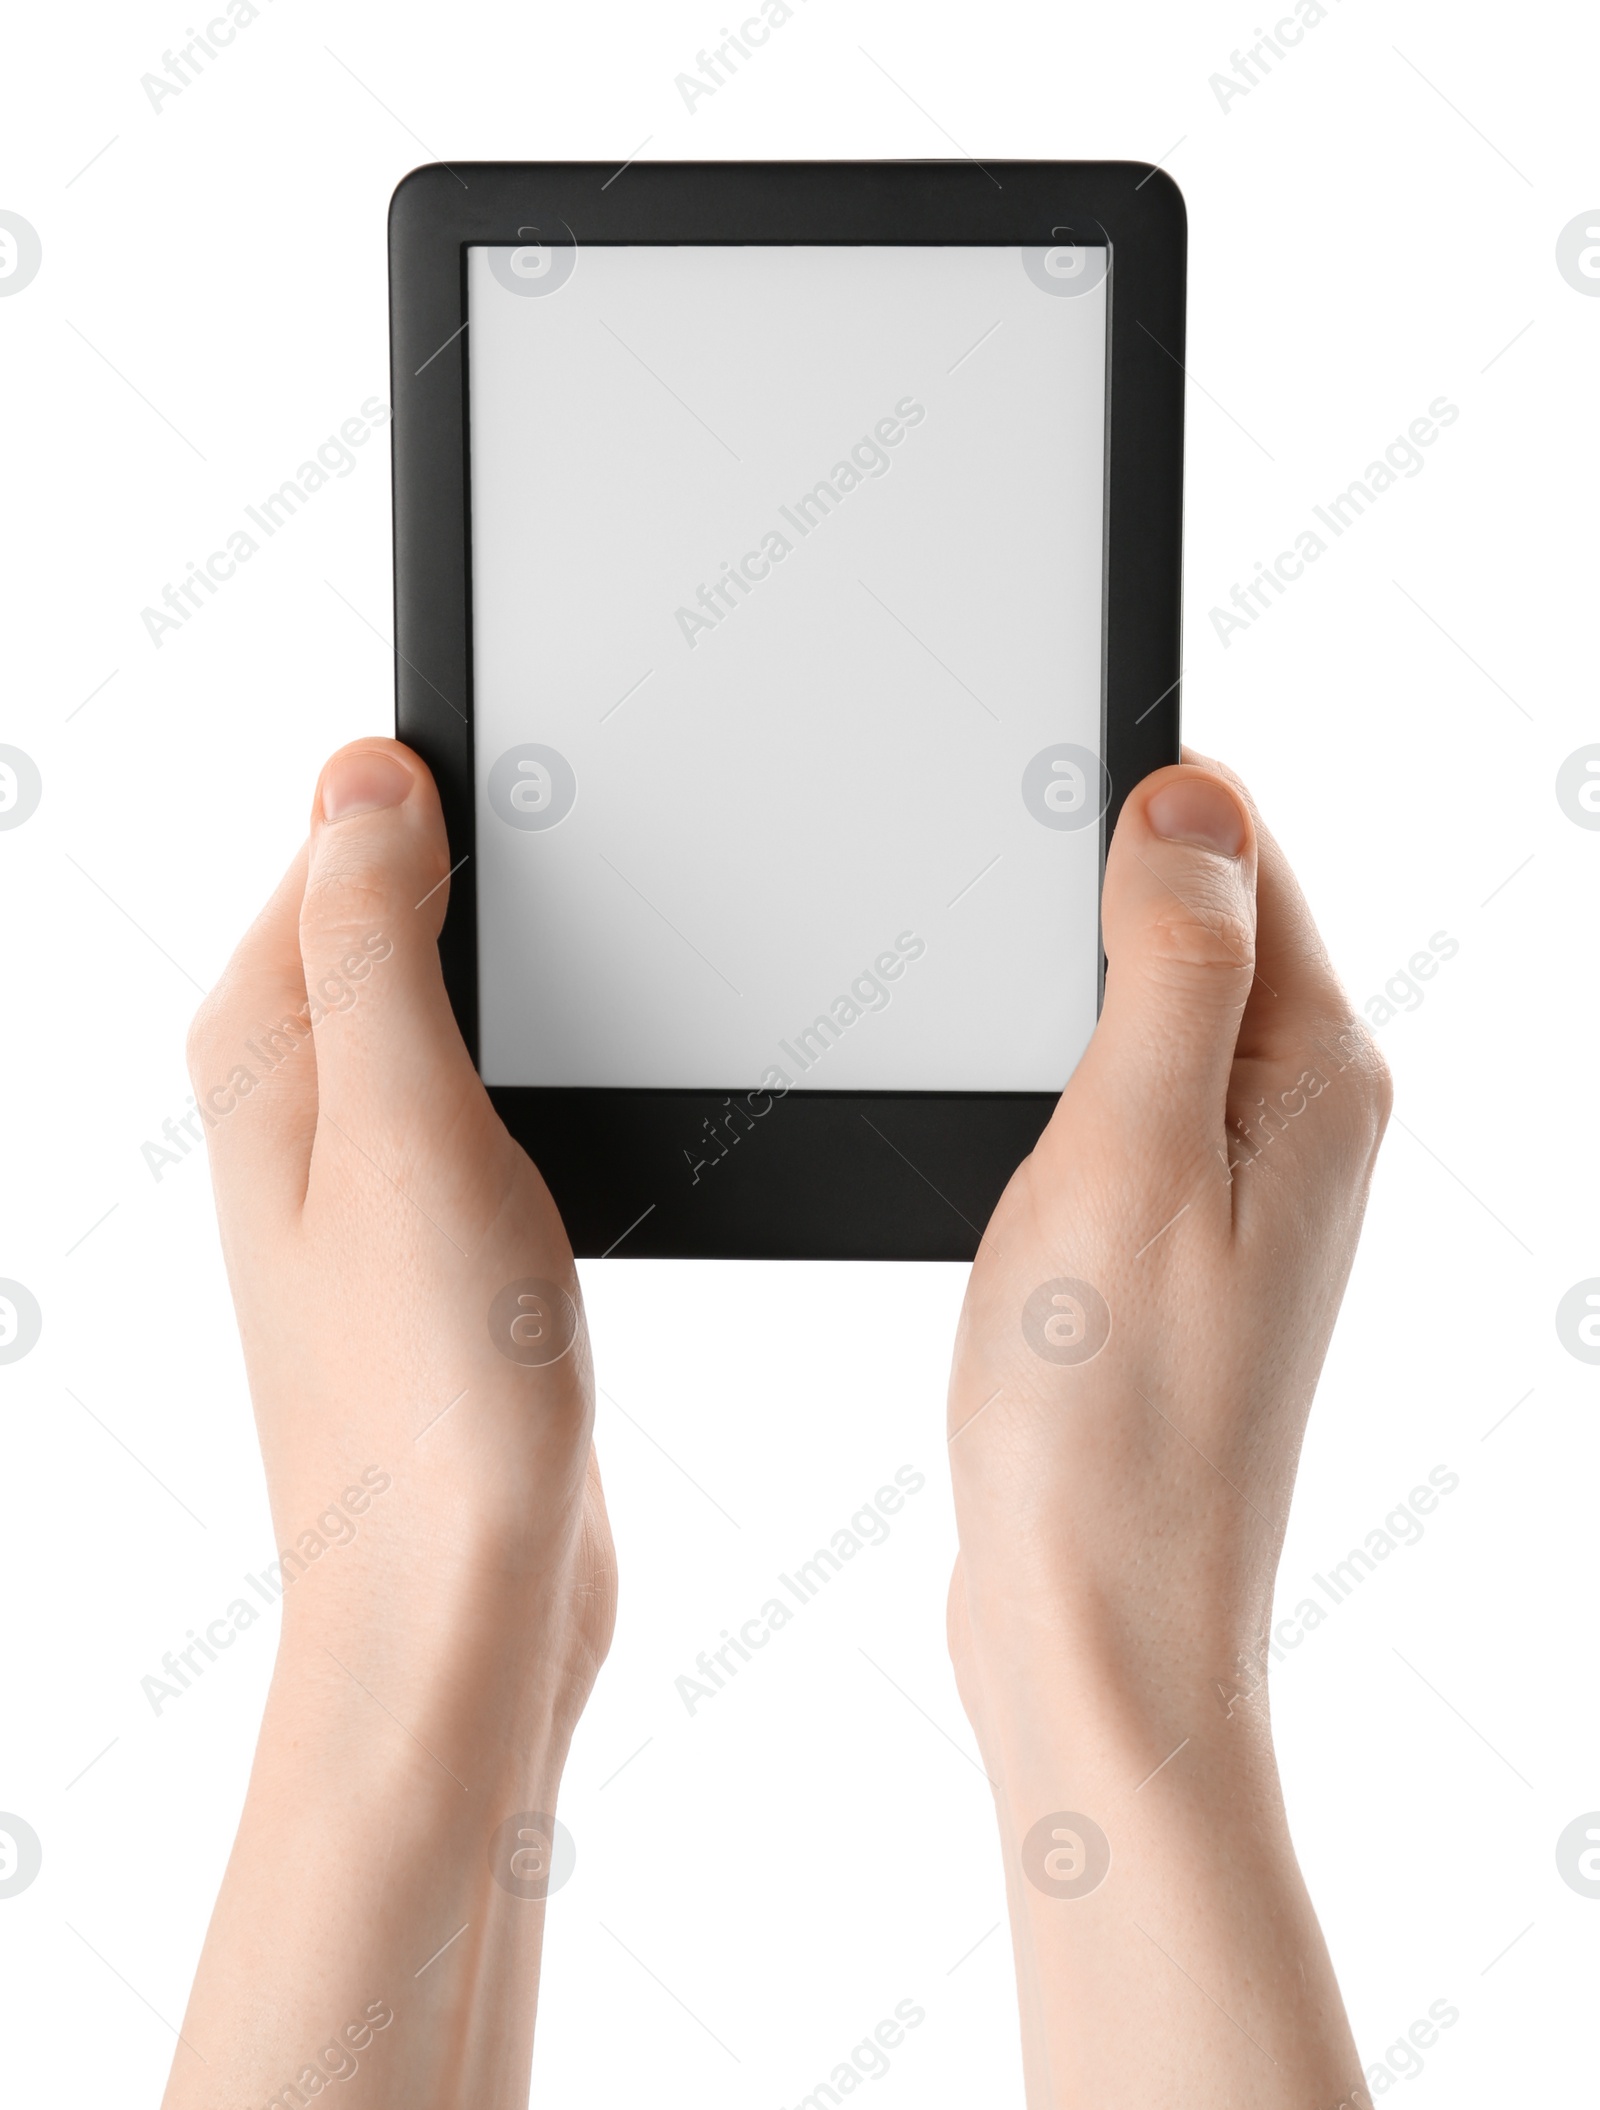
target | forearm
[
  {"x": 1191, "y": 1970},
  {"x": 361, "y": 1932}
]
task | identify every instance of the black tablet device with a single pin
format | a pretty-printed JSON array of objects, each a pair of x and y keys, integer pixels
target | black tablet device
[{"x": 786, "y": 597}]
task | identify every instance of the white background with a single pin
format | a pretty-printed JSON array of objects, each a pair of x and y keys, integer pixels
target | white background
[{"x": 816, "y": 1845}]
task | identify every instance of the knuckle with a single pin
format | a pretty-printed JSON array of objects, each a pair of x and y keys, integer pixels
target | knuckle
[
  {"x": 1184, "y": 942},
  {"x": 1375, "y": 1084},
  {"x": 354, "y": 896},
  {"x": 202, "y": 1043},
  {"x": 1363, "y": 1087}
]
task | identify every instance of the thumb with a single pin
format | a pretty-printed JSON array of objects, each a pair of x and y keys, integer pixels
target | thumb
[
  {"x": 1178, "y": 914},
  {"x": 375, "y": 896}
]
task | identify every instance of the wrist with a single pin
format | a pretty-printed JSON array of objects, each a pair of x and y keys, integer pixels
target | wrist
[
  {"x": 499, "y": 1691},
  {"x": 1080, "y": 1683},
  {"x": 460, "y": 1619}
]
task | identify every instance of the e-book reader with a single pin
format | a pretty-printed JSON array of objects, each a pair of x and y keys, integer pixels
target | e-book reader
[{"x": 787, "y": 594}]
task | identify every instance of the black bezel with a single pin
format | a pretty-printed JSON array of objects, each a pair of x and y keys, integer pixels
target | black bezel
[{"x": 820, "y": 1175}]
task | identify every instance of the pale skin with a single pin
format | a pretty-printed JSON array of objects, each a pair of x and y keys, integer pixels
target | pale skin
[
  {"x": 1120, "y": 1517},
  {"x": 430, "y": 1672}
]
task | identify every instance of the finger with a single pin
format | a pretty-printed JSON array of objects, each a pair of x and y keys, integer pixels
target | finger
[
  {"x": 1300, "y": 1034},
  {"x": 1296, "y": 992},
  {"x": 390, "y": 1058},
  {"x": 1178, "y": 916},
  {"x": 251, "y": 1060}
]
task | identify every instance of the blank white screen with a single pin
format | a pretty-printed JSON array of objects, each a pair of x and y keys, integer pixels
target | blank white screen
[{"x": 823, "y": 768}]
